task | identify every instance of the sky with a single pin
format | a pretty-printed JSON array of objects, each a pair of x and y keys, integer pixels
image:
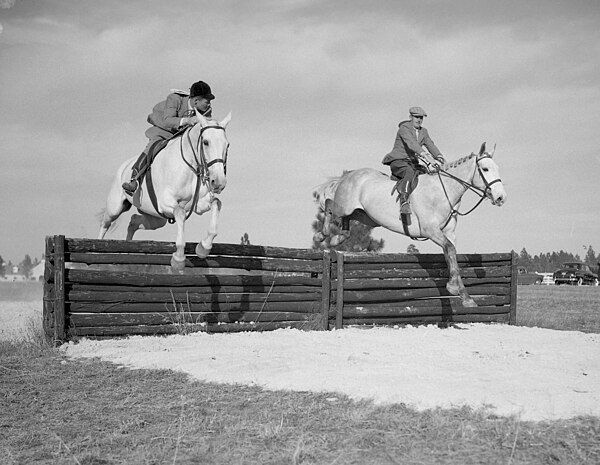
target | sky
[{"x": 314, "y": 88}]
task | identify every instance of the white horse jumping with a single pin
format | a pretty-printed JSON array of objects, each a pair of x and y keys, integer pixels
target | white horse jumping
[
  {"x": 366, "y": 195},
  {"x": 185, "y": 176}
]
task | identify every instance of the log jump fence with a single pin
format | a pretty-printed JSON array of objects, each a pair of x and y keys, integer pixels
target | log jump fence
[{"x": 111, "y": 288}]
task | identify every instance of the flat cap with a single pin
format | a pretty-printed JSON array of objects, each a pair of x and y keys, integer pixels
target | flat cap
[{"x": 417, "y": 111}]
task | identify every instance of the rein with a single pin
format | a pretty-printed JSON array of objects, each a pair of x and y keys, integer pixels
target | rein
[
  {"x": 201, "y": 169},
  {"x": 482, "y": 193}
]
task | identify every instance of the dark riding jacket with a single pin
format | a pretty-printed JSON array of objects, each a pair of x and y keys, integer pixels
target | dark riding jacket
[{"x": 408, "y": 146}]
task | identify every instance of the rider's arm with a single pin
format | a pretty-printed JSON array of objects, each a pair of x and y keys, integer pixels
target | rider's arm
[
  {"x": 170, "y": 120},
  {"x": 427, "y": 142}
]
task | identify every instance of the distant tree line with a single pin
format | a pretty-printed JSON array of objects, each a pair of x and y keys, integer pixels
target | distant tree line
[
  {"x": 25, "y": 266},
  {"x": 551, "y": 261}
]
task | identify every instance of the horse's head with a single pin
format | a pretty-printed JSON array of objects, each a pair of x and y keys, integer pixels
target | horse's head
[
  {"x": 487, "y": 177},
  {"x": 212, "y": 149}
]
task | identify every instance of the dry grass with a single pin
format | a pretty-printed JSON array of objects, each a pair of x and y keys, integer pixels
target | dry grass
[
  {"x": 57, "y": 410},
  {"x": 559, "y": 307}
]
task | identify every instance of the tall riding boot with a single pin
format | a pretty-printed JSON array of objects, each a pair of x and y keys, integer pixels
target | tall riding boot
[{"x": 137, "y": 172}]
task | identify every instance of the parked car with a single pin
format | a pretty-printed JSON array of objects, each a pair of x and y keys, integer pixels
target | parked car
[
  {"x": 575, "y": 273},
  {"x": 524, "y": 277},
  {"x": 548, "y": 279}
]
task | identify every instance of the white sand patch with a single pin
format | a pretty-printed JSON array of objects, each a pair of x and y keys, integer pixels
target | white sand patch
[{"x": 536, "y": 374}]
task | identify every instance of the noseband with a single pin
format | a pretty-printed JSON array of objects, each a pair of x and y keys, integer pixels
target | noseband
[
  {"x": 488, "y": 185},
  {"x": 201, "y": 169}
]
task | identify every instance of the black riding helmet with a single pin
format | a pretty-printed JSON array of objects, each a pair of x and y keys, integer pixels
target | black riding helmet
[{"x": 201, "y": 89}]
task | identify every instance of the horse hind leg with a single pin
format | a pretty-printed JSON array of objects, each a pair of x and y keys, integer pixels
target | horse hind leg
[
  {"x": 344, "y": 234},
  {"x": 110, "y": 214},
  {"x": 143, "y": 221},
  {"x": 320, "y": 236}
]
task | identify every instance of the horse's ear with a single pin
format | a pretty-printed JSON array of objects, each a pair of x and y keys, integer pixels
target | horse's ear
[
  {"x": 493, "y": 151},
  {"x": 482, "y": 149},
  {"x": 201, "y": 118},
  {"x": 225, "y": 121}
]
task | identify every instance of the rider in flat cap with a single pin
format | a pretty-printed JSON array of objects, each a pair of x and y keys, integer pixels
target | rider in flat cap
[{"x": 411, "y": 147}]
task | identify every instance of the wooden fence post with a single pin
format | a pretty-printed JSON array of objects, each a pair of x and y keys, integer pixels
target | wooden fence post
[
  {"x": 326, "y": 289},
  {"x": 513, "y": 290},
  {"x": 48, "y": 299},
  {"x": 339, "y": 306},
  {"x": 59, "y": 289}
]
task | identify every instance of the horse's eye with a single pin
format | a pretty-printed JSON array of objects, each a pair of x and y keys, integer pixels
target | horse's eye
[{"x": 205, "y": 142}]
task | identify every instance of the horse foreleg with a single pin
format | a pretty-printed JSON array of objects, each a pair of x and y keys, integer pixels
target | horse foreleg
[
  {"x": 445, "y": 239},
  {"x": 455, "y": 284},
  {"x": 178, "y": 257},
  {"x": 204, "y": 246}
]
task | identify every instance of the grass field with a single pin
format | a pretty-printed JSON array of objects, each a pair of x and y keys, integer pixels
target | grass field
[{"x": 58, "y": 410}]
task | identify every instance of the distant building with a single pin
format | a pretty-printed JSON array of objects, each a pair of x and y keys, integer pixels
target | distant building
[{"x": 37, "y": 272}]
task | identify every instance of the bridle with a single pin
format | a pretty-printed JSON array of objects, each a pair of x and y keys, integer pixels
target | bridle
[
  {"x": 482, "y": 193},
  {"x": 202, "y": 166}
]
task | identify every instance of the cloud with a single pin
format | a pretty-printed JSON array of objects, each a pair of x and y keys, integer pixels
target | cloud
[{"x": 7, "y": 3}]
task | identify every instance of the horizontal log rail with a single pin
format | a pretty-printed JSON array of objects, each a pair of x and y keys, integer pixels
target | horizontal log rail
[{"x": 104, "y": 288}]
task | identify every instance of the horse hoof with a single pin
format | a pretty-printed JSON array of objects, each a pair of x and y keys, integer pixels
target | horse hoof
[
  {"x": 469, "y": 303},
  {"x": 201, "y": 251},
  {"x": 177, "y": 264},
  {"x": 453, "y": 290},
  {"x": 318, "y": 237}
]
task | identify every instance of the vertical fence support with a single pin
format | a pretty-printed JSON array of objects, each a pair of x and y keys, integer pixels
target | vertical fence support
[
  {"x": 512, "y": 320},
  {"x": 326, "y": 289},
  {"x": 48, "y": 302},
  {"x": 59, "y": 289},
  {"x": 339, "y": 305}
]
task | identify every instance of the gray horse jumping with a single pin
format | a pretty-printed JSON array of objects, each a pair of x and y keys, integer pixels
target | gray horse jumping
[
  {"x": 365, "y": 195},
  {"x": 186, "y": 175}
]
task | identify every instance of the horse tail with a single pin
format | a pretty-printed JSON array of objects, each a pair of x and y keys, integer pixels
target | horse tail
[
  {"x": 326, "y": 191},
  {"x": 100, "y": 219}
]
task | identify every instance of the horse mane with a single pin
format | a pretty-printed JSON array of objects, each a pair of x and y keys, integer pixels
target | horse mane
[{"x": 458, "y": 162}]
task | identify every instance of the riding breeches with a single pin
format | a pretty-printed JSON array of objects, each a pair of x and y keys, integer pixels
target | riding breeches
[{"x": 406, "y": 171}]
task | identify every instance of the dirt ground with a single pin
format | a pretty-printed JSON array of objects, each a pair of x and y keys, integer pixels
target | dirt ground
[{"x": 533, "y": 373}]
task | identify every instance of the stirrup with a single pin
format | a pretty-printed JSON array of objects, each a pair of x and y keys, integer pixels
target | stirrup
[
  {"x": 405, "y": 208},
  {"x": 130, "y": 187}
]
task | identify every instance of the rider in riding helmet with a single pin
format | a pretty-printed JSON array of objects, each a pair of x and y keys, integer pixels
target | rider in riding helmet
[
  {"x": 412, "y": 145},
  {"x": 169, "y": 117}
]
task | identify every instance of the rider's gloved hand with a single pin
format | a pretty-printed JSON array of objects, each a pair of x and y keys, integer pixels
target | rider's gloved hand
[{"x": 190, "y": 121}]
